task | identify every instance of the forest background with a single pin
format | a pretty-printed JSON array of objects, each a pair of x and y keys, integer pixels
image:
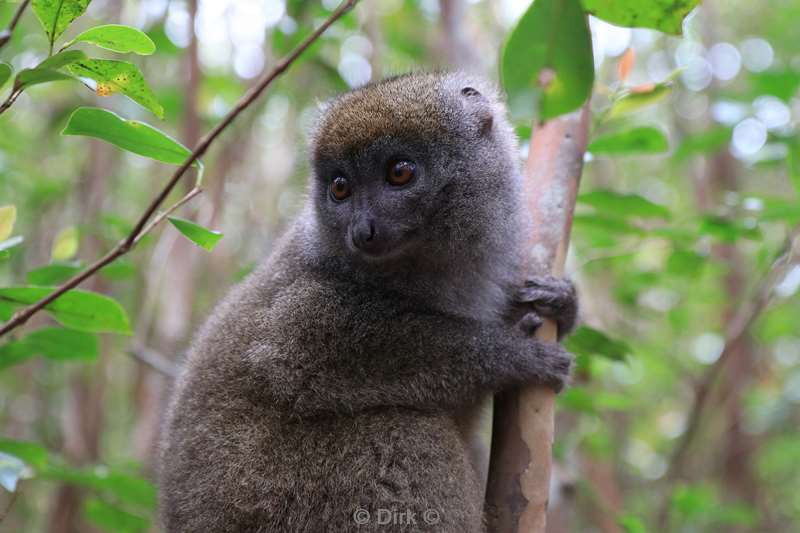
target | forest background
[{"x": 686, "y": 403}]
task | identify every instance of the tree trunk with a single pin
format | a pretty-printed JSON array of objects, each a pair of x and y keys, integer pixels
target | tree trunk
[{"x": 519, "y": 475}]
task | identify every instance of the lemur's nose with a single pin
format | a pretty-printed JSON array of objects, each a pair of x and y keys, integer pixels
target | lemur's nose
[{"x": 364, "y": 234}]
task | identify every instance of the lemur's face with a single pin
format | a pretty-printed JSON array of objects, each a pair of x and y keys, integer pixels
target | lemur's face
[
  {"x": 379, "y": 198},
  {"x": 392, "y": 161}
]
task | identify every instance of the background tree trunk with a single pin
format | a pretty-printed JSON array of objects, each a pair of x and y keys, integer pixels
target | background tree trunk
[
  {"x": 82, "y": 415},
  {"x": 176, "y": 295}
]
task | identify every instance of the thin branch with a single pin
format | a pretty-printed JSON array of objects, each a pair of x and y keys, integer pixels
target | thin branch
[
  {"x": 8, "y": 102},
  {"x": 6, "y": 34},
  {"x": 16, "y": 92},
  {"x": 154, "y": 360},
  {"x": 738, "y": 327},
  {"x": 22, "y": 316},
  {"x": 171, "y": 209},
  {"x": 10, "y": 504}
]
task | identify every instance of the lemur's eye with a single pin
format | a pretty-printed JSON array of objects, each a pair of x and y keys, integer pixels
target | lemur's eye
[
  {"x": 340, "y": 188},
  {"x": 401, "y": 172}
]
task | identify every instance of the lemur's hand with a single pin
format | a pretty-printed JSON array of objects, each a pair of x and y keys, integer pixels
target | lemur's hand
[{"x": 546, "y": 297}]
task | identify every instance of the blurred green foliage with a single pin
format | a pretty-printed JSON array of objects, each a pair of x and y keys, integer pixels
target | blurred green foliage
[{"x": 691, "y": 190}]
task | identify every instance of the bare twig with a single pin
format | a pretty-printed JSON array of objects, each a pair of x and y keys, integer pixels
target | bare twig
[
  {"x": 10, "y": 504},
  {"x": 16, "y": 92},
  {"x": 6, "y": 34},
  {"x": 154, "y": 360},
  {"x": 738, "y": 327},
  {"x": 171, "y": 209},
  {"x": 22, "y": 316},
  {"x": 9, "y": 101}
]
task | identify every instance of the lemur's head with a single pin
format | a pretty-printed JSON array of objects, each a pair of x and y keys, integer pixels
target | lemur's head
[{"x": 416, "y": 164}]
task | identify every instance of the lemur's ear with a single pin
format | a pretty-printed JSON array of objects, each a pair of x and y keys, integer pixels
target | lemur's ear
[{"x": 482, "y": 107}]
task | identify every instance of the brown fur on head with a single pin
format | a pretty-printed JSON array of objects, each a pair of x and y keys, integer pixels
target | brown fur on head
[
  {"x": 419, "y": 104},
  {"x": 460, "y": 222}
]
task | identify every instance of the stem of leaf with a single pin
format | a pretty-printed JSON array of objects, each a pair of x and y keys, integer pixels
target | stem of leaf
[
  {"x": 10, "y": 100},
  {"x": 6, "y": 35}
]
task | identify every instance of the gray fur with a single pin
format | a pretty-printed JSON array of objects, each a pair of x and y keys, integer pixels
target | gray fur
[{"x": 330, "y": 381}]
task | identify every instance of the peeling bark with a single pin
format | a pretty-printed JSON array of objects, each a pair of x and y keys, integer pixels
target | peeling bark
[{"x": 519, "y": 475}]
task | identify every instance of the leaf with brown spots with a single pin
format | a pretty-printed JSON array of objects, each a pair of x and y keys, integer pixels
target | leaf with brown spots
[
  {"x": 118, "y": 77},
  {"x": 56, "y": 15}
]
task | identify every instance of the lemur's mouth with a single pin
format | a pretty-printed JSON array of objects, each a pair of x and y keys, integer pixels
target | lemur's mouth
[{"x": 383, "y": 250}]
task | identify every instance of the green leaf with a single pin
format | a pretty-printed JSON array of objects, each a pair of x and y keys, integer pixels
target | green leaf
[
  {"x": 705, "y": 142},
  {"x": 782, "y": 209},
  {"x": 14, "y": 353},
  {"x": 6, "y": 310},
  {"x": 609, "y": 224},
  {"x": 118, "y": 270},
  {"x": 52, "y": 274},
  {"x": 35, "y": 76},
  {"x": 118, "y": 76},
  {"x": 580, "y": 399},
  {"x": 663, "y": 15},
  {"x": 199, "y": 235},
  {"x": 63, "y": 344},
  {"x": 736, "y": 514},
  {"x": 618, "y": 204},
  {"x": 5, "y": 73},
  {"x": 132, "y": 490},
  {"x": 130, "y": 135},
  {"x": 632, "y": 524},
  {"x": 601, "y": 230},
  {"x": 56, "y": 15},
  {"x": 111, "y": 518},
  {"x": 794, "y": 165},
  {"x": 577, "y": 399},
  {"x": 641, "y": 140},
  {"x": 549, "y": 55},
  {"x": 780, "y": 83},
  {"x": 524, "y": 131},
  {"x": 32, "y": 454},
  {"x": 589, "y": 341},
  {"x": 690, "y": 501},
  {"x": 726, "y": 230},
  {"x": 686, "y": 263},
  {"x": 76, "y": 309},
  {"x": 778, "y": 321},
  {"x": 117, "y": 38},
  {"x": 8, "y": 215},
  {"x": 65, "y": 245},
  {"x": 62, "y": 59},
  {"x": 12, "y": 470},
  {"x": 636, "y": 99}
]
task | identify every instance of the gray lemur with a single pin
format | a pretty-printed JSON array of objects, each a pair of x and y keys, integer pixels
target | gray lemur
[{"x": 324, "y": 392}]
